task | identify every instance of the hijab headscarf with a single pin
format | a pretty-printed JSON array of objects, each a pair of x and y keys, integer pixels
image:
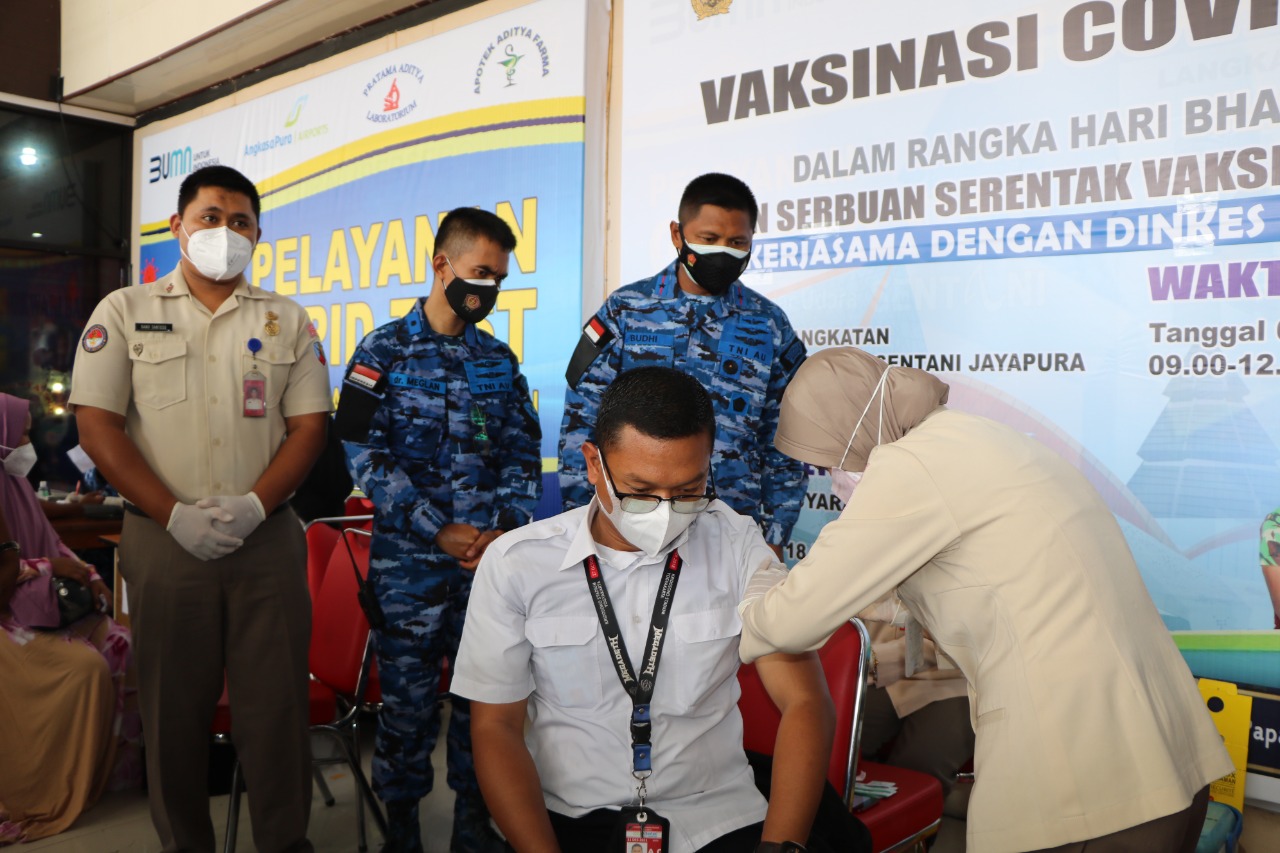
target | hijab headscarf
[
  {"x": 27, "y": 522},
  {"x": 836, "y": 395}
]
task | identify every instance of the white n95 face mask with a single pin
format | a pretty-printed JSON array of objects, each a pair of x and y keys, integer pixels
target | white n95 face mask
[
  {"x": 651, "y": 532},
  {"x": 20, "y": 460},
  {"x": 218, "y": 253}
]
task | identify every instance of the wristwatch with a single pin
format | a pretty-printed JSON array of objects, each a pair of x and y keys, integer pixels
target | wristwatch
[
  {"x": 11, "y": 545},
  {"x": 779, "y": 847}
]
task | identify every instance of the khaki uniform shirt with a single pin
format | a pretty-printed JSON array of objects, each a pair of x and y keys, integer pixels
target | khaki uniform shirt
[
  {"x": 1086, "y": 716},
  {"x": 176, "y": 371}
]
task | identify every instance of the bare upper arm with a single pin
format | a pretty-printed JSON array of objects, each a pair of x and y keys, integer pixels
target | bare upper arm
[
  {"x": 311, "y": 421},
  {"x": 92, "y": 422},
  {"x": 793, "y": 678},
  {"x": 505, "y": 716}
]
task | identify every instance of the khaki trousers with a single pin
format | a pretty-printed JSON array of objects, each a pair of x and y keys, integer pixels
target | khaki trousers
[
  {"x": 249, "y": 614},
  {"x": 1175, "y": 833}
]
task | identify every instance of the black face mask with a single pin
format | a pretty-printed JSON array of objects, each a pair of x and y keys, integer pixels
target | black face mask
[
  {"x": 714, "y": 270},
  {"x": 471, "y": 299}
]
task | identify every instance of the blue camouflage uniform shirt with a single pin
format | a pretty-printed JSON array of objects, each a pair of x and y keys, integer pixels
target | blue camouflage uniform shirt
[
  {"x": 452, "y": 437},
  {"x": 740, "y": 346}
]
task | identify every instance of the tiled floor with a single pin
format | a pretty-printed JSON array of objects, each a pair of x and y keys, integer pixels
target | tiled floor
[{"x": 121, "y": 823}]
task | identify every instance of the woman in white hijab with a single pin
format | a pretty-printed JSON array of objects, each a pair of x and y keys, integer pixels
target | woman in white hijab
[{"x": 1089, "y": 725}]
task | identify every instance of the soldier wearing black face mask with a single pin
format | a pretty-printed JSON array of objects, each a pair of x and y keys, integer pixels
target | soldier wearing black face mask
[
  {"x": 440, "y": 431},
  {"x": 698, "y": 317}
]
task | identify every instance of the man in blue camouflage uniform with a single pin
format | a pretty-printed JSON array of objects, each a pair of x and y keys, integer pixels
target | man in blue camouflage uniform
[
  {"x": 441, "y": 434},
  {"x": 697, "y": 317}
]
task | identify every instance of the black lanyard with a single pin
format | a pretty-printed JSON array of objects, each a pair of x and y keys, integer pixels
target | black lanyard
[{"x": 638, "y": 687}]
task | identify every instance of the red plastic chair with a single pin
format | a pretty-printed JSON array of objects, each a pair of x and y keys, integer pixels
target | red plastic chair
[
  {"x": 321, "y": 539},
  {"x": 340, "y": 658},
  {"x": 897, "y": 823},
  {"x": 323, "y": 535},
  {"x": 358, "y": 504}
]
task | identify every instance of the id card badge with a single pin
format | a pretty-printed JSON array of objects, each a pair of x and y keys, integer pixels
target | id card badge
[
  {"x": 641, "y": 830},
  {"x": 255, "y": 395}
]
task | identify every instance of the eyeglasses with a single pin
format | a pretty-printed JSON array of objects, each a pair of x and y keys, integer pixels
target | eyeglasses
[{"x": 641, "y": 504}]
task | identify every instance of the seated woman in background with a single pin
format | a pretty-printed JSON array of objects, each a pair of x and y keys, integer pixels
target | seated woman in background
[{"x": 65, "y": 734}]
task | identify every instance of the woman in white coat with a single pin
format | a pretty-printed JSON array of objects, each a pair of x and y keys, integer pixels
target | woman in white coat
[{"x": 1091, "y": 734}]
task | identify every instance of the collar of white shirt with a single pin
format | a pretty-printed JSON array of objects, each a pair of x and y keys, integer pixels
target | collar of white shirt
[{"x": 584, "y": 544}]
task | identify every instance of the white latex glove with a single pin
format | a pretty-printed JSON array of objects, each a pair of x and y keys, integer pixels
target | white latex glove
[
  {"x": 245, "y": 510},
  {"x": 193, "y": 528},
  {"x": 765, "y": 578}
]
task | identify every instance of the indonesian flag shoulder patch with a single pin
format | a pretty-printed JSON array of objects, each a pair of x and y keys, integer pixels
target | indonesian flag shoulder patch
[{"x": 365, "y": 376}]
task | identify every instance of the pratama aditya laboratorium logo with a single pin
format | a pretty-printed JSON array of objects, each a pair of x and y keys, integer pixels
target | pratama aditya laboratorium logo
[{"x": 392, "y": 92}]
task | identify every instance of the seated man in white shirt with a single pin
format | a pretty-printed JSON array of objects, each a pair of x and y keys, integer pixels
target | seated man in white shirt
[{"x": 533, "y": 651}]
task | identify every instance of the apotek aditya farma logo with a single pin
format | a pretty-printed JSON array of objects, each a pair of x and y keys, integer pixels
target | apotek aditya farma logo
[{"x": 517, "y": 54}]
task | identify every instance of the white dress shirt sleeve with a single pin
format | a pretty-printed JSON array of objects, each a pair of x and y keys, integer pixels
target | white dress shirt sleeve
[{"x": 493, "y": 663}]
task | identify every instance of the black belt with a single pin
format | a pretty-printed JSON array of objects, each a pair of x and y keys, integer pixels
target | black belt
[{"x": 136, "y": 510}]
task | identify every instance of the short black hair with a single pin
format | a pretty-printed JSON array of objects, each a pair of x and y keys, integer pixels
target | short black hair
[
  {"x": 222, "y": 177},
  {"x": 660, "y": 402},
  {"x": 463, "y": 224},
  {"x": 721, "y": 190}
]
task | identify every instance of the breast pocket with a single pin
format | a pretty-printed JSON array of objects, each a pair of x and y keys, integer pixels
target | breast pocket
[
  {"x": 707, "y": 644},
  {"x": 159, "y": 372},
  {"x": 566, "y": 668},
  {"x": 416, "y": 438},
  {"x": 274, "y": 362},
  {"x": 642, "y": 347}
]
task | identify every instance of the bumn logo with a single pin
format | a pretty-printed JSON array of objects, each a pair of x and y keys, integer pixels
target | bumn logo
[
  {"x": 170, "y": 164},
  {"x": 177, "y": 163}
]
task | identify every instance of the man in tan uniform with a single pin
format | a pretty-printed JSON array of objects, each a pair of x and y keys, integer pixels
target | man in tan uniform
[{"x": 204, "y": 401}]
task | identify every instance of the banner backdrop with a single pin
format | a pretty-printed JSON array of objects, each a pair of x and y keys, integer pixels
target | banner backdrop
[
  {"x": 1067, "y": 210},
  {"x": 357, "y": 167}
]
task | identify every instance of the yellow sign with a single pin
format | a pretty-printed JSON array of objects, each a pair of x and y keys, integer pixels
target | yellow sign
[{"x": 1231, "y": 714}]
